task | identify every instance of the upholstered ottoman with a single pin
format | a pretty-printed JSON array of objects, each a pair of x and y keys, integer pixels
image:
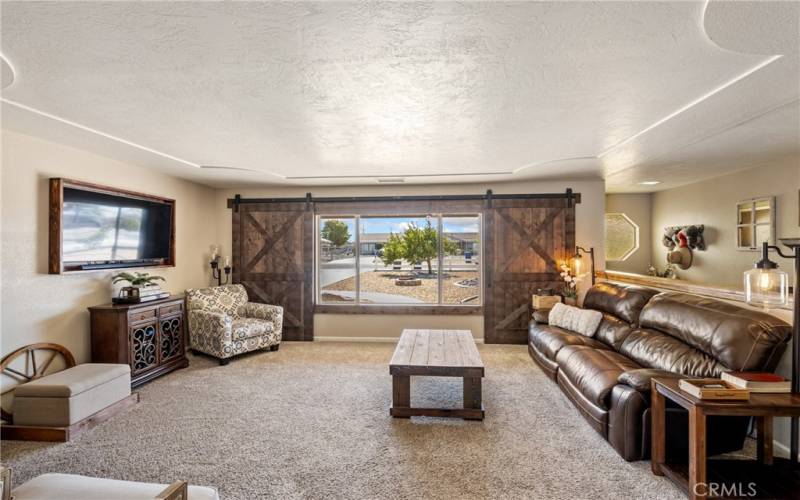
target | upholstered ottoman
[
  {"x": 69, "y": 487},
  {"x": 70, "y": 396}
]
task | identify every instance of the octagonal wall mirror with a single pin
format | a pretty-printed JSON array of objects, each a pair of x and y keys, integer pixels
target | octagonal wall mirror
[{"x": 622, "y": 237}]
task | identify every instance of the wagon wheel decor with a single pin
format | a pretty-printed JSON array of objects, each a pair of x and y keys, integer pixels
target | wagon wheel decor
[{"x": 37, "y": 359}]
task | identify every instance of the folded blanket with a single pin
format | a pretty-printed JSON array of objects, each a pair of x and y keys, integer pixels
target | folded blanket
[{"x": 582, "y": 321}]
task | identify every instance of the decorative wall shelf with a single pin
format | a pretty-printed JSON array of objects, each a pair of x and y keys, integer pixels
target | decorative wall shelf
[{"x": 715, "y": 292}]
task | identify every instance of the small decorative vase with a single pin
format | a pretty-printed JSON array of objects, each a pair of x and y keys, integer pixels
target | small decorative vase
[
  {"x": 571, "y": 301},
  {"x": 129, "y": 293}
]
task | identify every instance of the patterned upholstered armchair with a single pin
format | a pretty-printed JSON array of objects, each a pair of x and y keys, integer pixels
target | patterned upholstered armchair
[{"x": 222, "y": 323}]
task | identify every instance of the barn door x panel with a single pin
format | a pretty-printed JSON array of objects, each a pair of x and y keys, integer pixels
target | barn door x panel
[
  {"x": 273, "y": 257},
  {"x": 525, "y": 242}
]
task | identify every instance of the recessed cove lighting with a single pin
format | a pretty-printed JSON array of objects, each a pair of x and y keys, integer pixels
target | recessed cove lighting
[{"x": 649, "y": 183}]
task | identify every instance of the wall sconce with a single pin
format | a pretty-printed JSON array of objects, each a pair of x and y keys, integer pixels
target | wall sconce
[
  {"x": 216, "y": 272},
  {"x": 576, "y": 259},
  {"x": 766, "y": 286}
]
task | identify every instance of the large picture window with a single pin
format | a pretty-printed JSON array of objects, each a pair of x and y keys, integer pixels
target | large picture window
[{"x": 421, "y": 260}]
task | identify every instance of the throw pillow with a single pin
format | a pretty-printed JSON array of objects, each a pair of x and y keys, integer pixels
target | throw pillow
[{"x": 575, "y": 319}]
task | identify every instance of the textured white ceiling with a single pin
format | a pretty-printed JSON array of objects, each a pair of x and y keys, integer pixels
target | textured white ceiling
[{"x": 342, "y": 93}]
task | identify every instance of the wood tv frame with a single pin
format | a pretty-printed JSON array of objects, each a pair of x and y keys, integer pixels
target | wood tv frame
[{"x": 55, "y": 263}]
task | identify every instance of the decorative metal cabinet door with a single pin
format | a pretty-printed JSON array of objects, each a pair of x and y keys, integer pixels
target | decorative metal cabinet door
[
  {"x": 144, "y": 347},
  {"x": 170, "y": 337}
]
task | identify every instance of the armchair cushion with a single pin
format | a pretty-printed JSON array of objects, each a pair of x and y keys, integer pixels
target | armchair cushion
[
  {"x": 244, "y": 328},
  {"x": 227, "y": 299}
]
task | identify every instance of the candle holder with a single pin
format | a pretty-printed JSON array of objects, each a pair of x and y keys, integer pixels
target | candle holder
[{"x": 216, "y": 272}]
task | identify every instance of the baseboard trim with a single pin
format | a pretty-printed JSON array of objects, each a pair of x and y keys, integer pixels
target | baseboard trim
[{"x": 366, "y": 339}]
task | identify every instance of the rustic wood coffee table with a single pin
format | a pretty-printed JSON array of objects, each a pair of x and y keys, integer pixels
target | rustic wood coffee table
[{"x": 436, "y": 353}]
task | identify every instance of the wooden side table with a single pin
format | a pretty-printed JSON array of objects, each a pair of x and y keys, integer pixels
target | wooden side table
[{"x": 700, "y": 478}]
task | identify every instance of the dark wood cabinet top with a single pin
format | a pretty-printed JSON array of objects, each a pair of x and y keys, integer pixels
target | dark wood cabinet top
[{"x": 125, "y": 307}]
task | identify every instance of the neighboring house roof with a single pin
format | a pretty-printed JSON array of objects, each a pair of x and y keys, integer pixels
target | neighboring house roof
[{"x": 384, "y": 237}]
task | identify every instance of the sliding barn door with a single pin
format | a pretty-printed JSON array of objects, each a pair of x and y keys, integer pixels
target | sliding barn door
[
  {"x": 526, "y": 240},
  {"x": 273, "y": 257}
]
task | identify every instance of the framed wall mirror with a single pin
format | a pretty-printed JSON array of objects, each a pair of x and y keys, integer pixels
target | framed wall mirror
[{"x": 755, "y": 223}]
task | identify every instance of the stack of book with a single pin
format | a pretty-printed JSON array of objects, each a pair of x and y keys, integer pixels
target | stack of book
[
  {"x": 152, "y": 292},
  {"x": 758, "y": 381}
]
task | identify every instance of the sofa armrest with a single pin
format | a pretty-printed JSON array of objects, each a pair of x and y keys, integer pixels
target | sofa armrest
[
  {"x": 640, "y": 379},
  {"x": 541, "y": 316},
  {"x": 210, "y": 324}
]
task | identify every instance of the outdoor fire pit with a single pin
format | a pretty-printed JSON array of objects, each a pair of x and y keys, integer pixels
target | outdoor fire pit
[{"x": 408, "y": 281}]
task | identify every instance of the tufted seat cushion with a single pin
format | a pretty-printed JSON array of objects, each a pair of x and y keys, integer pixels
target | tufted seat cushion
[
  {"x": 245, "y": 328},
  {"x": 593, "y": 372},
  {"x": 737, "y": 338},
  {"x": 549, "y": 340},
  {"x": 621, "y": 301}
]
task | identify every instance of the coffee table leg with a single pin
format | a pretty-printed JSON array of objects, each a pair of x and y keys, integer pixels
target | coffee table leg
[
  {"x": 697, "y": 454},
  {"x": 401, "y": 394},
  {"x": 473, "y": 397}
]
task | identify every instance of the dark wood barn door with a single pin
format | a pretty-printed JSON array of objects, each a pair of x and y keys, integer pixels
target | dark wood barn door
[
  {"x": 526, "y": 240},
  {"x": 273, "y": 257}
]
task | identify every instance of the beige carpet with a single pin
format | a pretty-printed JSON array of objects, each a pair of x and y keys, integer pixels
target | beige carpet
[{"x": 312, "y": 421}]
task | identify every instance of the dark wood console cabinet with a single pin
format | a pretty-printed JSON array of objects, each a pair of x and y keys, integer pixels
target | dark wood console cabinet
[{"x": 150, "y": 337}]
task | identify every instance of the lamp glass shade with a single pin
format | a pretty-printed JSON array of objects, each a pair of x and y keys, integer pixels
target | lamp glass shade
[
  {"x": 576, "y": 264},
  {"x": 766, "y": 287}
]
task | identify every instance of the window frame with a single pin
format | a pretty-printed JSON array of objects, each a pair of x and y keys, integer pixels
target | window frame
[
  {"x": 753, "y": 225},
  {"x": 439, "y": 308}
]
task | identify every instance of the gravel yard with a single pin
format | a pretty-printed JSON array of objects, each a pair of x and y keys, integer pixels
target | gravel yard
[{"x": 384, "y": 282}]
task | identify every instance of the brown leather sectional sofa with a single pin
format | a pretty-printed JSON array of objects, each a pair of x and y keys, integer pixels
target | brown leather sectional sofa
[{"x": 644, "y": 334}]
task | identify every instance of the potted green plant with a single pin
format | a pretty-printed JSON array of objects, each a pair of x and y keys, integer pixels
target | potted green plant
[{"x": 138, "y": 282}]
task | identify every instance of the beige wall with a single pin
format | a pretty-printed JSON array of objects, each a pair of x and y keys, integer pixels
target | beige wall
[
  {"x": 713, "y": 203},
  {"x": 38, "y": 307},
  {"x": 638, "y": 208},
  {"x": 589, "y": 232},
  {"x": 388, "y": 326}
]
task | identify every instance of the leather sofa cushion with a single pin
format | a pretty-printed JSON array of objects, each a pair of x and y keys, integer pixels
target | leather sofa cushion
[
  {"x": 640, "y": 379},
  {"x": 741, "y": 339},
  {"x": 549, "y": 340},
  {"x": 654, "y": 349},
  {"x": 624, "y": 302},
  {"x": 593, "y": 372},
  {"x": 613, "y": 331}
]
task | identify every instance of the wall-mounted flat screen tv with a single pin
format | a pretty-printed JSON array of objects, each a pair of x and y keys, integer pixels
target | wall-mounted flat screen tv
[{"x": 103, "y": 228}]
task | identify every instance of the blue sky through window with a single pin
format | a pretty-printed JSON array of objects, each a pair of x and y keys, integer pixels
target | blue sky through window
[{"x": 372, "y": 225}]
